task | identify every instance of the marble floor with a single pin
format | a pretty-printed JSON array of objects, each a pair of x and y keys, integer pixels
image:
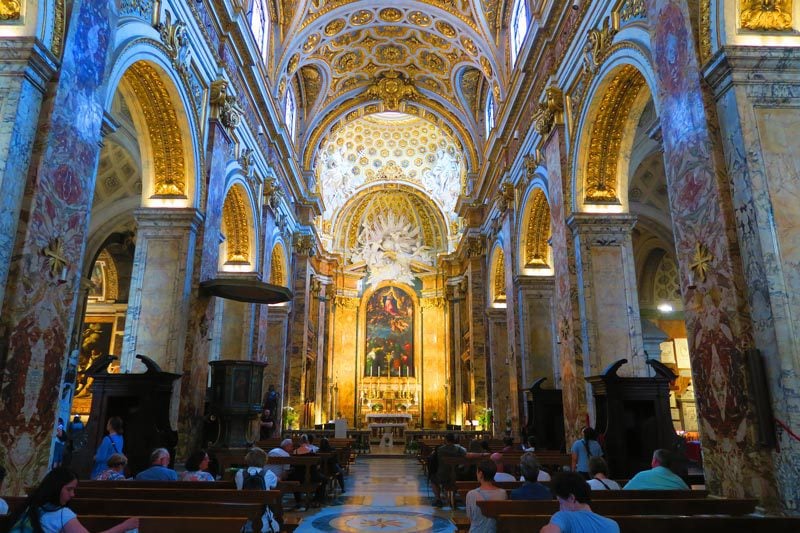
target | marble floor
[{"x": 385, "y": 494}]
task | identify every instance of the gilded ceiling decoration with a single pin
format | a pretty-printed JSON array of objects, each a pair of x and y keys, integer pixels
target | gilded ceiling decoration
[
  {"x": 236, "y": 227},
  {"x": 606, "y": 135},
  {"x": 163, "y": 130},
  {"x": 389, "y": 148},
  {"x": 537, "y": 231},
  {"x": 413, "y": 50},
  {"x": 766, "y": 15}
]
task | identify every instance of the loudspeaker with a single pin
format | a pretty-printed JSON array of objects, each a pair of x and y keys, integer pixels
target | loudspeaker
[{"x": 759, "y": 390}]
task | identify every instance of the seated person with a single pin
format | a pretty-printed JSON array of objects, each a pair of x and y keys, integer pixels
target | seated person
[
  {"x": 659, "y": 477},
  {"x": 298, "y": 473},
  {"x": 256, "y": 461},
  {"x": 531, "y": 490},
  {"x": 497, "y": 459},
  {"x": 530, "y": 444},
  {"x": 46, "y": 508},
  {"x": 284, "y": 450},
  {"x": 486, "y": 491},
  {"x": 267, "y": 424},
  {"x": 575, "y": 515},
  {"x": 445, "y": 475},
  {"x": 598, "y": 470},
  {"x": 333, "y": 462},
  {"x": 508, "y": 445},
  {"x": 159, "y": 469},
  {"x": 196, "y": 466},
  {"x": 116, "y": 468},
  {"x": 3, "y": 504}
]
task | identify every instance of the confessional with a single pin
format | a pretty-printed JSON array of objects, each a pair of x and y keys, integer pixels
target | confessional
[
  {"x": 633, "y": 415},
  {"x": 545, "y": 416},
  {"x": 143, "y": 403}
]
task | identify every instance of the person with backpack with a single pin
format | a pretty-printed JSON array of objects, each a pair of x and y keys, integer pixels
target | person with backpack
[
  {"x": 257, "y": 477},
  {"x": 46, "y": 511},
  {"x": 583, "y": 450},
  {"x": 111, "y": 444}
]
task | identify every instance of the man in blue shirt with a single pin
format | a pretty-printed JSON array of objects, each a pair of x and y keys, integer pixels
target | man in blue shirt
[
  {"x": 158, "y": 471},
  {"x": 659, "y": 477},
  {"x": 532, "y": 489},
  {"x": 575, "y": 515}
]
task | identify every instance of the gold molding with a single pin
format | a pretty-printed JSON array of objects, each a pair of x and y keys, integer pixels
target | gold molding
[
  {"x": 606, "y": 135},
  {"x": 704, "y": 23},
  {"x": 111, "y": 275},
  {"x": 499, "y": 273},
  {"x": 58, "y": 28},
  {"x": 166, "y": 141},
  {"x": 10, "y": 10},
  {"x": 277, "y": 268},
  {"x": 432, "y": 302},
  {"x": 537, "y": 231},
  {"x": 237, "y": 229},
  {"x": 345, "y": 302},
  {"x": 766, "y": 15}
]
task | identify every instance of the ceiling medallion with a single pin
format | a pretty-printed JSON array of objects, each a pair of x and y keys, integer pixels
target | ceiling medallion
[
  {"x": 419, "y": 18},
  {"x": 334, "y": 27},
  {"x": 392, "y": 88},
  {"x": 390, "y": 14},
  {"x": 359, "y": 18},
  {"x": 446, "y": 29}
]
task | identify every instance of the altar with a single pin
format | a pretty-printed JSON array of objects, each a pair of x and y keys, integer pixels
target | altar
[{"x": 395, "y": 424}]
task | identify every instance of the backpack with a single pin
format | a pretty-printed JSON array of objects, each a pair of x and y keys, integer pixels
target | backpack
[
  {"x": 253, "y": 481},
  {"x": 23, "y": 525}
]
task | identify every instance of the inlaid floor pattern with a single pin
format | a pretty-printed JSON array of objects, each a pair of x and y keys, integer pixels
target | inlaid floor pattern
[{"x": 390, "y": 495}]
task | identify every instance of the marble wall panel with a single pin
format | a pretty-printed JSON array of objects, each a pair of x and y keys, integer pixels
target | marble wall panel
[
  {"x": 343, "y": 357},
  {"x": 711, "y": 279},
  {"x": 539, "y": 349},
  {"x": 39, "y": 310},
  {"x": 298, "y": 335},
  {"x": 477, "y": 276},
  {"x": 513, "y": 356},
  {"x": 501, "y": 399}
]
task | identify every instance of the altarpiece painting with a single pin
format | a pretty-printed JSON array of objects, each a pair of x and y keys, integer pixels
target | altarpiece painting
[{"x": 390, "y": 334}]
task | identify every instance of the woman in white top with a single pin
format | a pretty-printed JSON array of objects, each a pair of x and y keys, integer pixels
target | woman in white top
[
  {"x": 598, "y": 471},
  {"x": 256, "y": 460},
  {"x": 46, "y": 508}
]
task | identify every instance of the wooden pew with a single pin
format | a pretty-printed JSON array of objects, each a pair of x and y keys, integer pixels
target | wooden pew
[
  {"x": 465, "y": 486},
  {"x": 716, "y": 506},
  {"x": 160, "y": 524},
  {"x": 306, "y": 486},
  {"x": 185, "y": 485},
  {"x": 666, "y": 524}
]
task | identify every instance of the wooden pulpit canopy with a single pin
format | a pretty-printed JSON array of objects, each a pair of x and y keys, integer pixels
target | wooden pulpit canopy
[{"x": 246, "y": 289}]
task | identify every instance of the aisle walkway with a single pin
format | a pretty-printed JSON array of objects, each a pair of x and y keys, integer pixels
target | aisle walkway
[{"x": 390, "y": 495}]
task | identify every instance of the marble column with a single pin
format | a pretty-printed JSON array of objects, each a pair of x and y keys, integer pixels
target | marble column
[
  {"x": 205, "y": 312},
  {"x": 512, "y": 359},
  {"x": 536, "y": 311},
  {"x": 158, "y": 304},
  {"x": 298, "y": 336},
  {"x": 478, "y": 276},
  {"x": 611, "y": 327},
  {"x": 570, "y": 359},
  {"x": 500, "y": 369},
  {"x": 454, "y": 301},
  {"x": 758, "y": 95},
  {"x": 275, "y": 372},
  {"x": 25, "y": 68},
  {"x": 343, "y": 350},
  {"x": 718, "y": 319},
  {"x": 324, "y": 379},
  {"x": 43, "y": 278}
]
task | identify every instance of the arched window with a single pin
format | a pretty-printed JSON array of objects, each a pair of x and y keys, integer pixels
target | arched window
[
  {"x": 519, "y": 28},
  {"x": 259, "y": 23},
  {"x": 490, "y": 113},
  {"x": 290, "y": 113}
]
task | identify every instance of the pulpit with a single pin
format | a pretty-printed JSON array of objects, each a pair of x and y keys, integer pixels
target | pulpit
[
  {"x": 545, "y": 417},
  {"x": 236, "y": 400},
  {"x": 143, "y": 403},
  {"x": 634, "y": 415}
]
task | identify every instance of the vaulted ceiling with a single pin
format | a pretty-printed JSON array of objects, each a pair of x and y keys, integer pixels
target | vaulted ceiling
[{"x": 434, "y": 59}]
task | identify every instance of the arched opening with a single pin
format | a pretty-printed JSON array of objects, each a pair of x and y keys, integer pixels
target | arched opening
[
  {"x": 278, "y": 266},
  {"x": 237, "y": 249},
  {"x": 497, "y": 294},
  {"x": 536, "y": 256}
]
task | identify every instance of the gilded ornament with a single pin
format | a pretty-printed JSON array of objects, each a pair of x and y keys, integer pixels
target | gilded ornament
[
  {"x": 56, "y": 258},
  {"x": 58, "y": 28},
  {"x": 236, "y": 227},
  {"x": 475, "y": 246},
  {"x": 705, "y": 30},
  {"x": 390, "y": 53},
  {"x": 246, "y": 159},
  {"x": 304, "y": 244},
  {"x": 499, "y": 276},
  {"x": 224, "y": 106},
  {"x": 532, "y": 162},
  {"x": 633, "y": 10},
  {"x": 469, "y": 46},
  {"x": 766, "y": 15},
  {"x": 334, "y": 27},
  {"x": 606, "y": 135},
  {"x": 344, "y": 302},
  {"x": 10, "y": 10},
  {"x": 537, "y": 231},
  {"x": 294, "y": 61},
  {"x": 361, "y": 17},
  {"x": 486, "y": 66},
  {"x": 434, "y": 302},
  {"x": 505, "y": 196},
  {"x": 349, "y": 61},
  {"x": 277, "y": 270},
  {"x": 311, "y": 43},
  {"x": 445, "y": 29},
  {"x": 282, "y": 88},
  {"x": 433, "y": 62},
  {"x": 419, "y": 18},
  {"x": 597, "y": 43},
  {"x": 390, "y": 14},
  {"x": 111, "y": 276},
  {"x": 164, "y": 132},
  {"x": 392, "y": 88},
  {"x": 176, "y": 38},
  {"x": 550, "y": 111},
  {"x": 701, "y": 261}
]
